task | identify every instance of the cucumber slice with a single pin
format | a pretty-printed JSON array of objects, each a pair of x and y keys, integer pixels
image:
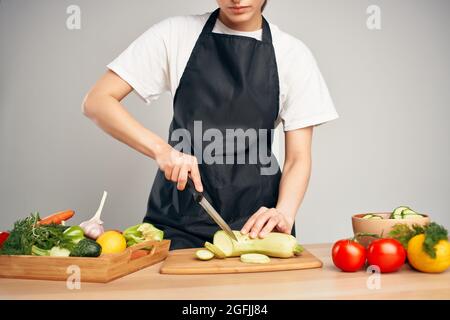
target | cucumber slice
[
  {"x": 204, "y": 254},
  {"x": 409, "y": 212},
  {"x": 255, "y": 258},
  {"x": 412, "y": 216},
  {"x": 215, "y": 249},
  {"x": 371, "y": 216},
  {"x": 397, "y": 213}
]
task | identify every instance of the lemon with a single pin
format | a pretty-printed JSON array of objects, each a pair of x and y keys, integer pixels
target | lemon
[
  {"x": 112, "y": 242},
  {"x": 421, "y": 261}
]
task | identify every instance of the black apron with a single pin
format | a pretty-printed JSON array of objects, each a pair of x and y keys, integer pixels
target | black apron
[{"x": 230, "y": 82}]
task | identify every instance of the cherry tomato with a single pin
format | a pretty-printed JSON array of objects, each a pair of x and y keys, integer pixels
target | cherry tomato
[
  {"x": 388, "y": 254},
  {"x": 348, "y": 255}
]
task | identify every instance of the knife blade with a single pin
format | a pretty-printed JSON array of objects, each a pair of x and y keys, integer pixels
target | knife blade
[{"x": 204, "y": 203}]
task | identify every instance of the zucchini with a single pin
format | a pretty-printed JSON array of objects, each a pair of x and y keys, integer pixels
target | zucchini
[
  {"x": 216, "y": 250},
  {"x": 367, "y": 216},
  {"x": 255, "y": 258},
  {"x": 224, "y": 242},
  {"x": 275, "y": 244},
  {"x": 397, "y": 213},
  {"x": 204, "y": 254}
]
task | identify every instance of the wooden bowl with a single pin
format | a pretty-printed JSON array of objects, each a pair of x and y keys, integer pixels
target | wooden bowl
[{"x": 381, "y": 227}]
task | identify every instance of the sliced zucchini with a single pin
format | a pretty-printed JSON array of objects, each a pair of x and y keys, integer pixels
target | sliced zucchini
[
  {"x": 204, "y": 254},
  {"x": 223, "y": 242},
  {"x": 397, "y": 213},
  {"x": 367, "y": 216},
  {"x": 375, "y": 217},
  {"x": 255, "y": 258},
  {"x": 215, "y": 249}
]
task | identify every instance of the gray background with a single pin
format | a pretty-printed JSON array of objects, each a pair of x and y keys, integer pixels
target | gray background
[{"x": 391, "y": 88}]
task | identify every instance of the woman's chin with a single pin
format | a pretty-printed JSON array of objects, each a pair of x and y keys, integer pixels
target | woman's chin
[{"x": 239, "y": 18}]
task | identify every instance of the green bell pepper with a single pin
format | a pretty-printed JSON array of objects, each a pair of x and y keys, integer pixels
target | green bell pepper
[{"x": 73, "y": 234}]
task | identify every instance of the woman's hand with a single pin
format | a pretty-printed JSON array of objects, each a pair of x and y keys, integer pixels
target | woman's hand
[
  {"x": 265, "y": 220},
  {"x": 177, "y": 166}
]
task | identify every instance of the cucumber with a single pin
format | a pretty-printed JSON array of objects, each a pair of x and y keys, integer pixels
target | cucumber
[
  {"x": 397, "y": 213},
  {"x": 409, "y": 212},
  {"x": 404, "y": 212},
  {"x": 412, "y": 216},
  {"x": 255, "y": 258},
  {"x": 204, "y": 254},
  {"x": 86, "y": 248},
  {"x": 275, "y": 244},
  {"x": 215, "y": 249},
  {"x": 372, "y": 217}
]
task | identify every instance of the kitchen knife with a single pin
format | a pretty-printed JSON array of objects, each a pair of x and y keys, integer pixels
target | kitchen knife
[{"x": 200, "y": 199}]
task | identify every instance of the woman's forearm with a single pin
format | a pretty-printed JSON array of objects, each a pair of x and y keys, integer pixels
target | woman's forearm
[
  {"x": 107, "y": 112},
  {"x": 102, "y": 105},
  {"x": 293, "y": 185}
]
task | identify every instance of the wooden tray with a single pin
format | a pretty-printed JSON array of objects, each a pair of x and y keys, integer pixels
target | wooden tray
[
  {"x": 184, "y": 262},
  {"x": 102, "y": 269}
]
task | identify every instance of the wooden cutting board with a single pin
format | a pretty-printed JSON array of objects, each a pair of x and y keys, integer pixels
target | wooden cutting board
[{"x": 184, "y": 262}]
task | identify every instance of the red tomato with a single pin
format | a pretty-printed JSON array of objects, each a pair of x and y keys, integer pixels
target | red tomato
[
  {"x": 348, "y": 255},
  {"x": 388, "y": 254},
  {"x": 3, "y": 237}
]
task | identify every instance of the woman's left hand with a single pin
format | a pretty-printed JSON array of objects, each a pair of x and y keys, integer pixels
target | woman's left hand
[{"x": 265, "y": 220}]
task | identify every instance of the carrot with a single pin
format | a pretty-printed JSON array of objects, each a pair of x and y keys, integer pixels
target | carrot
[
  {"x": 57, "y": 217},
  {"x": 138, "y": 254}
]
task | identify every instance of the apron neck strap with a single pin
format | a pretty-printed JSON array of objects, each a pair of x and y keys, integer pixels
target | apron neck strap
[{"x": 209, "y": 26}]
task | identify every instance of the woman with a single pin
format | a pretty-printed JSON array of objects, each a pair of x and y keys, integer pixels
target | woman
[{"x": 226, "y": 70}]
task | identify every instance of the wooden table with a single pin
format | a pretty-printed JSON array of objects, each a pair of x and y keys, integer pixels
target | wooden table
[{"x": 324, "y": 283}]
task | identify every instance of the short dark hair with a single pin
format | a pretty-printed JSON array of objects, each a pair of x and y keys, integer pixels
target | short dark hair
[{"x": 264, "y": 5}]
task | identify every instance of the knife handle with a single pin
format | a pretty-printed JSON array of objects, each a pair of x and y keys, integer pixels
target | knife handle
[{"x": 198, "y": 196}]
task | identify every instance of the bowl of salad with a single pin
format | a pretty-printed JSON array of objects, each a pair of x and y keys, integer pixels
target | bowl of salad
[{"x": 369, "y": 226}]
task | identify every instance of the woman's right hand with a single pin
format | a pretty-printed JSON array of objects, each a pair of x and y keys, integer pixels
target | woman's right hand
[{"x": 177, "y": 166}]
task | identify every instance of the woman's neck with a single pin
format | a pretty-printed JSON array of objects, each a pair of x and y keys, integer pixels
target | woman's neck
[{"x": 253, "y": 24}]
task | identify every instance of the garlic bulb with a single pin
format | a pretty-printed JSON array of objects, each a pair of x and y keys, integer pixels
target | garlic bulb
[{"x": 93, "y": 228}]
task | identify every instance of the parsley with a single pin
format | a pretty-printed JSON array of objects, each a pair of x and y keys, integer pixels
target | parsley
[
  {"x": 433, "y": 234},
  {"x": 403, "y": 233},
  {"x": 26, "y": 233}
]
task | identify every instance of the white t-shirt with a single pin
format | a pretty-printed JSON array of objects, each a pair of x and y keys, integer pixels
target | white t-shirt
[{"x": 154, "y": 63}]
